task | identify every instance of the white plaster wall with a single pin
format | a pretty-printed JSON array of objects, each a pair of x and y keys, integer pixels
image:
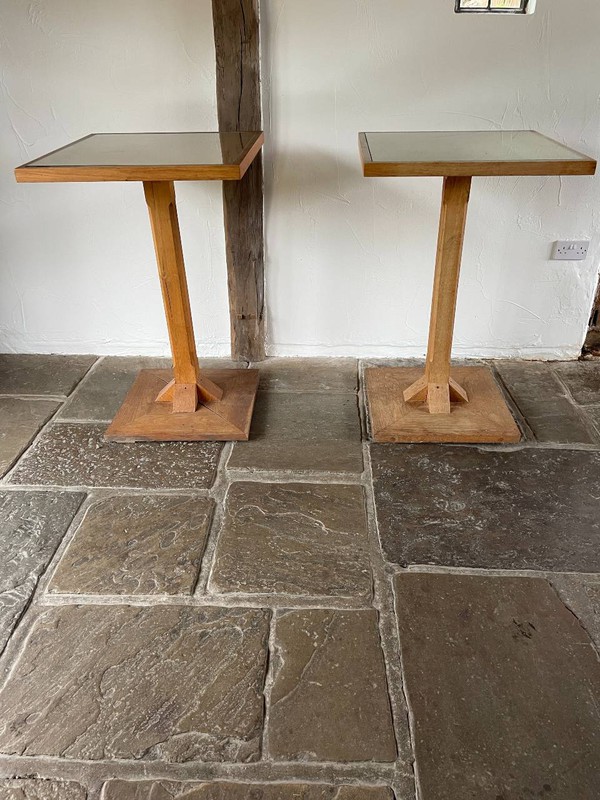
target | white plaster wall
[
  {"x": 77, "y": 269},
  {"x": 350, "y": 260}
]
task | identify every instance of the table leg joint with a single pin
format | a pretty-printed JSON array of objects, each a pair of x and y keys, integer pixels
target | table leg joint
[{"x": 437, "y": 396}]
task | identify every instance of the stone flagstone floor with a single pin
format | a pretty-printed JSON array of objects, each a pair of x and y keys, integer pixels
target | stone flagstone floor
[{"x": 306, "y": 616}]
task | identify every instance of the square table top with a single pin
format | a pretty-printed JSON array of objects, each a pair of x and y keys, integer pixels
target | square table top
[
  {"x": 468, "y": 153},
  {"x": 147, "y": 157}
]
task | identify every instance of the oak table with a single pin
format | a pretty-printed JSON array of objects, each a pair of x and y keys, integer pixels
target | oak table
[
  {"x": 185, "y": 404},
  {"x": 442, "y": 404}
]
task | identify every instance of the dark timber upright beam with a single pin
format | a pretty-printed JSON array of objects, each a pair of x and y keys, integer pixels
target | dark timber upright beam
[{"x": 237, "y": 45}]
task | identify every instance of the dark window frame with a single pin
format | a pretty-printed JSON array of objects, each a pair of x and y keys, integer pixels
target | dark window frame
[{"x": 460, "y": 9}]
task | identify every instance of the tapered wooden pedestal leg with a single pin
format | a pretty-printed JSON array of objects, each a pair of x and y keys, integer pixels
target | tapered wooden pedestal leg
[
  {"x": 436, "y": 407},
  {"x": 436, "y": 388},
  {"x": 188, "y": 404},
  {"x": 188, "y": 387}
]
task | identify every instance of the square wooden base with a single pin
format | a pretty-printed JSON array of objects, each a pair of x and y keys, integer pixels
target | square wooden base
[
  {"x": 141, "y": 418},
  {"x": 486, "y": 418}
]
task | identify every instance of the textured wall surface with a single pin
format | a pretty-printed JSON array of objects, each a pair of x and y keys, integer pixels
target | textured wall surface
[{"x": 349, "y": 260}]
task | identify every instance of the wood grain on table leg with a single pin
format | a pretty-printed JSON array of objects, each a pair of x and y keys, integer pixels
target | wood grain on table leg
[
  {"x": 437, "y": 388},
  {"x": 187, "y": 388}
]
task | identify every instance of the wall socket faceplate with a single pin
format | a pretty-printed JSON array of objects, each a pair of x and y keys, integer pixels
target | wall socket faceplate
[{"x": 570, "y": 251}]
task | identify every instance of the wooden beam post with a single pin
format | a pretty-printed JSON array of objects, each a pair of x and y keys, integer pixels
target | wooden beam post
[{"x": 237, "y": 46}]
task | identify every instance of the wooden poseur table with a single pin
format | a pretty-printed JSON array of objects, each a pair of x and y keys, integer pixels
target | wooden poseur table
[
  {"x": 187, "y": 403},
  {"x": 444, "y": 404}
]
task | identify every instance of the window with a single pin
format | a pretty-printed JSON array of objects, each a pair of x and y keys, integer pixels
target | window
[{"x": 494, "y": 6}]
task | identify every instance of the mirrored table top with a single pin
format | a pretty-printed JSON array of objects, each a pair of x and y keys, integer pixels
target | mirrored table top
[
  {"x": 146, "y": 157},
  {"x": 467, "y": 153}
]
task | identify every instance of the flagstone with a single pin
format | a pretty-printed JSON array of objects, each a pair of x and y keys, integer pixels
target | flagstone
[
  {"x": 21, "y": 418},
  {"x": 42, "y": 374},
  {"x": 302, "y": 432},
  {"x": 329, "y": 699},
  {"x": 164, "y": 683},
  {"x": 136, "y": 545},
  {"x": 530, "y": 508},
  {"x": 295, "y": 539},
  {"x": 503, "y": 687},
  {"x": 169, "y": 790},
  {"x": 32, "y": 525},
  {"x": 74, "y": 454},
  {"x": 40, "y": 789}
]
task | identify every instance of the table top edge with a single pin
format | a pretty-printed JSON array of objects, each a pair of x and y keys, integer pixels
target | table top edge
[
  {"x": 581, "y": 165},
  {"x": 32, "y": 172}
]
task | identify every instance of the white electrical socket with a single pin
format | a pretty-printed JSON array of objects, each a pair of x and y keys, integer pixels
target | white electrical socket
[{"x": 570, "y": 251}]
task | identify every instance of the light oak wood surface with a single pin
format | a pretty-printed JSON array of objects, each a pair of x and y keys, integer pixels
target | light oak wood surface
[
  {"x": 187, "y": 403},
  {"x": 486, "y": 418},
  {"x": 434, "y": 153},
  {"x": 444, "y": 405},
  {"x": 141, "y": 418},
  {"x": 436, "y": 388},
  {"x": 160, "y": 197},
  {"x": 236, "y": 157}
]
